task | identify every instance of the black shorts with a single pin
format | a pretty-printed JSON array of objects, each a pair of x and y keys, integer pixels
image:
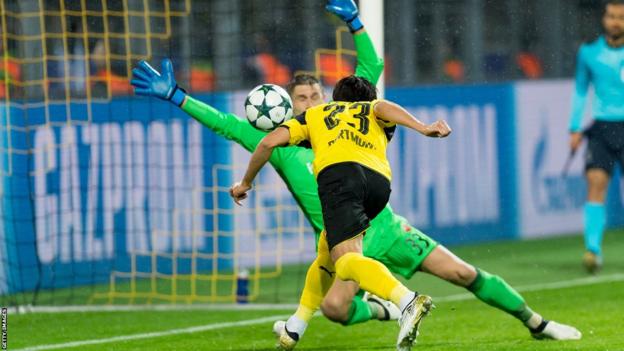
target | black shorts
[
  {"x": 351, "y": 195},
  {"x": 605, "y": 145}
]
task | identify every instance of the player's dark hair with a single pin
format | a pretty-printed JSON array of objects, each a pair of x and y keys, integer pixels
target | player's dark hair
[
  {"x": 352, "y": 89},
  {"x": 301, "y": 79}
]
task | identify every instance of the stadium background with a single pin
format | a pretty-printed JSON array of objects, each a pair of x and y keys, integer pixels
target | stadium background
[{"x": 111, "y": 198}]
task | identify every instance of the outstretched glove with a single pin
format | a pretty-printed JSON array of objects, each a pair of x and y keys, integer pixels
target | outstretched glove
[
  {"x": 347, "y": 11},
  {"x": 149, "y": 82}
]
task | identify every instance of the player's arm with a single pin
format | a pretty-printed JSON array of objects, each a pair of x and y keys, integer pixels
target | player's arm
[
  {"x": 149, "y": 82},
  {"x": 293, "y": 132},
  {"x": 388, "y": 111},
  {"x": 369, "y": 64},
  {"x": 581, "y": 86},
  {"x": 227, "y": 125},
  {"x": 259, "y": 158}
]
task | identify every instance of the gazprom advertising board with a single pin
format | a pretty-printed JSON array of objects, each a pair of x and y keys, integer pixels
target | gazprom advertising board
[{"x": 79, "y": 199}]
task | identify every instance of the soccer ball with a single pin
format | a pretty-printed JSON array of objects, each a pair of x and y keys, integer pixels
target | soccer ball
[{"x": 267, "y": 106}]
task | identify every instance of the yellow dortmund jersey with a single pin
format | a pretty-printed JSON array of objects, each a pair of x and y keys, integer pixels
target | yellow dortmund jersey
[{"x": 343, "y": 132}]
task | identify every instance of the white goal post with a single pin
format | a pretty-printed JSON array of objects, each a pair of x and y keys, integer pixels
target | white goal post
[{"x": 372, "y": 13}]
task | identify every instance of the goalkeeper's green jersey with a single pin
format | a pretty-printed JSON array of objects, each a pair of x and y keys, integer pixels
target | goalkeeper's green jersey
[{"x": 294, "y": 163}]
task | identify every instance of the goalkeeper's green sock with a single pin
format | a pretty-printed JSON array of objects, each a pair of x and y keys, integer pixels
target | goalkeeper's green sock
[
  {"x": 360, "y": 311},
  {"x": 494, "y": 291}
]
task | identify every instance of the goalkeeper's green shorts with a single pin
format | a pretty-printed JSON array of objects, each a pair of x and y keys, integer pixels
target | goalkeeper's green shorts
[{"x": 408, "y": 251}]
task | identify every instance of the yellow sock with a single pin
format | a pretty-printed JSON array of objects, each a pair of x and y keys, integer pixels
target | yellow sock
[
  {"x": 304, "y": 313},
  {"x": 372, "y": 276},
  {"x": 319, "y": 279}
]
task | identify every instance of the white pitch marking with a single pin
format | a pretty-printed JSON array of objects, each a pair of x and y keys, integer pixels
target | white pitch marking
[
  {"x": 201, "y": 328},
  {"x": 196, "y": 329},
  {"x": 138, "y": 308},
  {"x": 259, "y": 307},
  {"x": 545, "y": 286}
]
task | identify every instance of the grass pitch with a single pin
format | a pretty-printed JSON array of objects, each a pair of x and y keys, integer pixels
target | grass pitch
[{"x": 594, "y": 306}]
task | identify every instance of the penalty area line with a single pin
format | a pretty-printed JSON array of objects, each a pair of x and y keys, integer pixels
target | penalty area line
[
  {"x": 122, "y": 338},
  {"x": 545, "y": 286},
  {"x": 147, "y": 308}
]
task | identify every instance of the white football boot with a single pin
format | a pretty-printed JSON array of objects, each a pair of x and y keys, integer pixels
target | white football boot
[
  {"x": 286, "y": 340},
  {"x": 392, "y": 312},
  {"x": 278, "y": 326},
  {"x": 557, "y": 331},
  {"x": 411, "y": 318}
]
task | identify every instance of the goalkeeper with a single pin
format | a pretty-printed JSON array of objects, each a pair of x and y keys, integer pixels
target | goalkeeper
[{"x": 390, "y": 238}]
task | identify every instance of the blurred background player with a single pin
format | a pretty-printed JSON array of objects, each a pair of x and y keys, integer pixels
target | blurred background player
[
  {"x": 600, "y": 63},
  {"x": 391, "y": 239},
  {"x": 349, "y": 138}
]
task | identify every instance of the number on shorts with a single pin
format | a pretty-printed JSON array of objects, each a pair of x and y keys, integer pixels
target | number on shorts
[{"x": 417, "y": 242}]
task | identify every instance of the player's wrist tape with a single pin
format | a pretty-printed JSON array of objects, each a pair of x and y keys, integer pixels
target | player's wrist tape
[
  {"x": 355, "y": 24},
  {"x": 178, "y": 96}
]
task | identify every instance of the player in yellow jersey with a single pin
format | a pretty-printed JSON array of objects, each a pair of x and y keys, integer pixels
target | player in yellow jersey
[{"x": 349, "y": 138}]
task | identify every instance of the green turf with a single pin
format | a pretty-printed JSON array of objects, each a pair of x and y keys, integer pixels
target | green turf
[
  {"x": 546, "y": 260},
  {"x": 462, "y": 325}
]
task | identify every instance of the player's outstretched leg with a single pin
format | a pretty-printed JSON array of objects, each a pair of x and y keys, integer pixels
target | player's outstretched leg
[
  {"x": 319, "y": 279},
  {"x": 347, "y": 304},
  {"x": 494, "y": 291},
  {"x": 374, "y": 277},
  {"x": 344, "y": 304}
]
